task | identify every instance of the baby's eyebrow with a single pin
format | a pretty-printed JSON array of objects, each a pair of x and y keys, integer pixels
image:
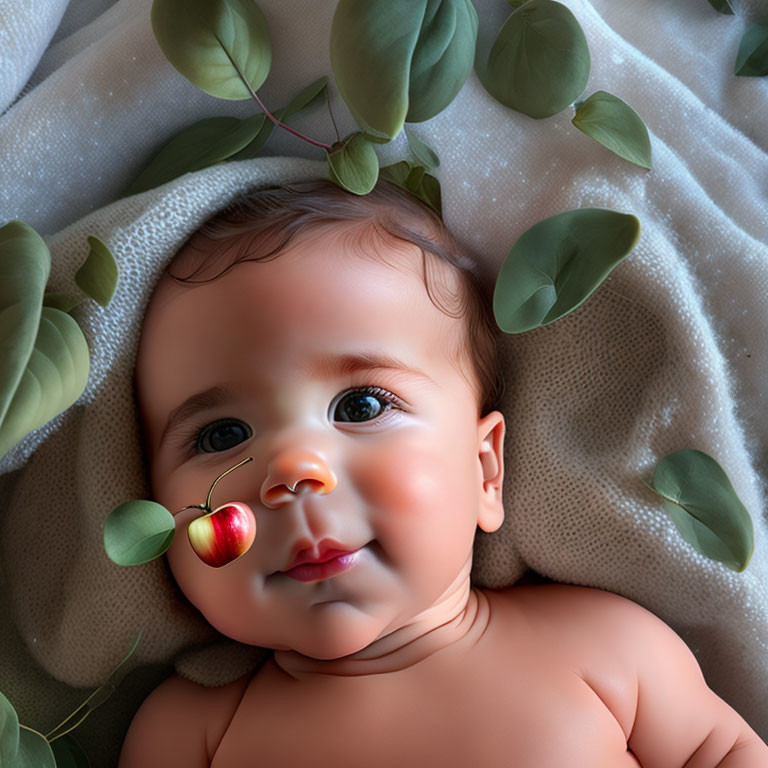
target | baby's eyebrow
[
  {"x": 330, "y": 366},
  {"x": 325, "y": 367},
  {"x": 200, "y": 401}
]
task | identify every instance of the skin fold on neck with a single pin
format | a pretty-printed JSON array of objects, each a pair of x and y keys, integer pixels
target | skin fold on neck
[{"x": 459, "y": 618}]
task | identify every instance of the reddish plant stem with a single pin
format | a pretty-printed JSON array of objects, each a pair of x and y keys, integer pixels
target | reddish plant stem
[
  {"x": 326, "y": 147},
  {"x": 245, "y": 82}
]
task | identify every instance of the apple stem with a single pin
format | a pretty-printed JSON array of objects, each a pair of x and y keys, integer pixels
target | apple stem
[{"x": 231, "y": 469}]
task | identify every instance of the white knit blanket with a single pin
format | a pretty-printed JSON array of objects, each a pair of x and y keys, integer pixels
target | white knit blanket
[{"x": 669, "y": 353}]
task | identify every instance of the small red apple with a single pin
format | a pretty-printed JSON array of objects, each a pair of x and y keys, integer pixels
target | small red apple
[
  {"x": 224, "y": 534},
  {"x": 221, "y": 536}
]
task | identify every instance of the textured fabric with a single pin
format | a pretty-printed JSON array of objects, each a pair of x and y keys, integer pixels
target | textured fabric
[
  {"x": 667, "y": 354},
  {"x": 26, "y": 28}
]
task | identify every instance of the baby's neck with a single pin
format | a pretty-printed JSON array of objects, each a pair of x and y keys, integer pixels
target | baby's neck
[{"x": 461, "y": 620}]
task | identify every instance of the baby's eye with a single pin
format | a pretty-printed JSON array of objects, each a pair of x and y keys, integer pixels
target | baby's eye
[
  {"x": 363, "y": 404},
  {"x": 222, "y": 435}
]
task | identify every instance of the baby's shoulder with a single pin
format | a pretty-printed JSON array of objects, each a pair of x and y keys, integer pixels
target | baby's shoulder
[
  {"x": 181, "y": 719},
  {"x": 564, "y": 606},
  {"x": 598, "y": 634}
]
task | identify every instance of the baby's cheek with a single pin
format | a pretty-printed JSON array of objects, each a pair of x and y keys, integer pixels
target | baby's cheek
[
  {"x": 397, "y": 474},
  {"x": 412, "y": 481}
]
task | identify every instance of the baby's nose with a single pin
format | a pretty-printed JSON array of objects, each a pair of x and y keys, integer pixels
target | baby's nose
[{"x": 295, "y": 472}]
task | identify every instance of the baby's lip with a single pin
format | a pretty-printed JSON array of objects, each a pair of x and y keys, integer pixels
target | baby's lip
[{"x": 327, "y": 549}]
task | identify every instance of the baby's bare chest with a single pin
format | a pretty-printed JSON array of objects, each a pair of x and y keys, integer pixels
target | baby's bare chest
[{"x": 501, "y": 706}]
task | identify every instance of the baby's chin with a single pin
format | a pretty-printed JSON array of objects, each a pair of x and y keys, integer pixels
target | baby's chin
[{"x": 331, "y": 631}]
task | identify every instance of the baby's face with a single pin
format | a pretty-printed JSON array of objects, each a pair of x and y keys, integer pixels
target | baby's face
[{"x": 338, "y": 373}]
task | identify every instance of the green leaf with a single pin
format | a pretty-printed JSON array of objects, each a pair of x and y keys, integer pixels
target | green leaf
[
  {"x": 201, "y": 145},
  {"x": 97, "y": 277},
  {"x": 615, "y": 125},
  {"x": 722, "y": 6},
  {"x": 414, "y": 178},
  {"x": 303, "y": 100},
  {"x": 136, "y": 532},
  {"x": 397, "y": 173},
  {"x": 428, "y": 190},
  {"x": 306, "y": 97},
  {"x": 401, "y": 60},
  {"x": 61, "y": 301},
  {"x": 218, "y": 46},
  {"x": 53, "y": 379},
  {"x": 354, "y": 164},
  {"x": 9, "y": 732},
  {"x": 517, "y": 3},
  {"x": 557, "y": 264},
  {"x": 423, "y": 152},
  {"x": 25, "y": 264},
  {"x": 69, "y": 753},
  {"x": 704, "y": 507},
  {"x": 752, "y": 58},
  {"x": 34, "y": 750},
  {"x": 539, "y": 63}
]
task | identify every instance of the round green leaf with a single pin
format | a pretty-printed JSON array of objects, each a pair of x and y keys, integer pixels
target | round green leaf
[
  {"x": 9, "y": 732},
  {"x": 752, "y": 58},
  {"x": 34, "y": 750},
  {"x": 136, "y": 532},
  {"x": 355, "y": 164},
  {"x": 722, "y": 6},
  {"x": 556, "y": 264},
  {"x": 54, "y": 377},
  {"x": 69, "y": 753},
  {"x": 304, "y": 99},
  {"x": 422, "y": 151},
  {"x": 704, "y": 507},
  {"x": 614, "y": 124},
  {"x": 539, "y": 63},
  {"x": 201, "y": 145},
  {"x": 97, "y": 277},
  {"x": 398, "y": 60},
  {"x": 218, "y": 46},
  {"x": 25, "y": 264}
]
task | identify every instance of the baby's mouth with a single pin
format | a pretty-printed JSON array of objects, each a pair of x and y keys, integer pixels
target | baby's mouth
[{"x": 330, "y": 563}]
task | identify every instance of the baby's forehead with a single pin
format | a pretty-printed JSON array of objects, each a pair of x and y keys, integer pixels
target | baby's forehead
[{"x": 366, "y": 245}]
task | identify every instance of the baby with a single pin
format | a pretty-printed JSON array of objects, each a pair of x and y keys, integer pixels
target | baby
[{"x": 345, "y": 344}]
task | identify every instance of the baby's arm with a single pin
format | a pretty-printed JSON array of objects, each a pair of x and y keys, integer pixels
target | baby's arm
[
  {"x": 180, "y": 723},
  {"x": 679, "y": 720}
]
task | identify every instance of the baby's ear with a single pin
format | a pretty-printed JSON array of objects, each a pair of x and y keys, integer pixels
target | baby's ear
[{"x": 490, "y": 434}]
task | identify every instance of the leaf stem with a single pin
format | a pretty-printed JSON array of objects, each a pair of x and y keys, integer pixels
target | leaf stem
[
  {"x": 326, "y": 147},
  {"x": 223, "y": 474},
  {"x": 69, "y": 717},
  {"x": 109, "y": 684}
]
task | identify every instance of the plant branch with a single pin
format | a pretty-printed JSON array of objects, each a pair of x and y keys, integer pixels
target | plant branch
[
  {"x": 326, "y": 147},
  {"x": 69, "y": 717}
]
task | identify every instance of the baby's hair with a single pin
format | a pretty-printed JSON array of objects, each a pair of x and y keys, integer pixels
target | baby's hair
[{"x": 261, "y": 224}]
